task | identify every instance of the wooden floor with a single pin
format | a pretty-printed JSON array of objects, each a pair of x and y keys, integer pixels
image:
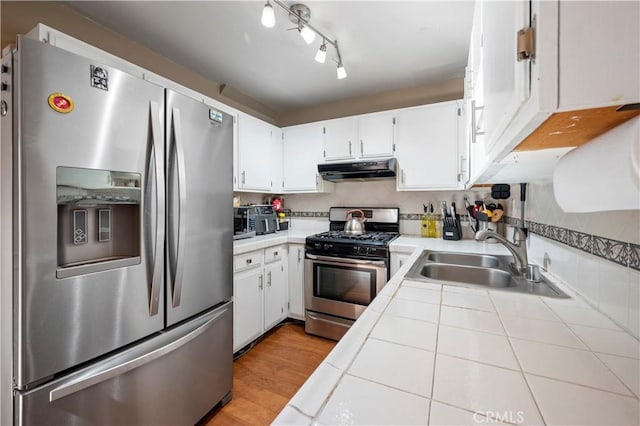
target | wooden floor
[{"x": 267, "y": 376}]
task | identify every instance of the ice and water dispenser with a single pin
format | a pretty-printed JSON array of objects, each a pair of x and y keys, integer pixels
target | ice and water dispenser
[{"x": 99, "y": 220}]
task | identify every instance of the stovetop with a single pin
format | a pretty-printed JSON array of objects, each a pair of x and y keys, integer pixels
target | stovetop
[
  {"x": 370, "y": 245},
  {"x": 369, "y": 238}
]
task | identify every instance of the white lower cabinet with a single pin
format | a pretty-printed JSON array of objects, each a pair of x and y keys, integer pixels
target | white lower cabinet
[
  {"x": 296, "y": 281},
  {"x": 397, "y": 261},
  {"x": 260, "y": 288}
]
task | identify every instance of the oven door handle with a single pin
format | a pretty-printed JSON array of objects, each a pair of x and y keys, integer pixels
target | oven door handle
[{"x": 346, "y": 260}]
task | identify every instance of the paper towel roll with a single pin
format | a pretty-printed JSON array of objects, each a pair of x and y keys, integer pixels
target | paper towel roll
[{"x": 603, "y": 174}]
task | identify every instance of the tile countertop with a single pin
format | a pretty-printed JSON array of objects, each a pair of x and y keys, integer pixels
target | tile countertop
[
  {"x": 263, "y": 241},
  {"x": 424, "y": 353}
]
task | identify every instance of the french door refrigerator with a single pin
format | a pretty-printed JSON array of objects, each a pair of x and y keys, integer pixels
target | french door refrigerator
[{"x": 121, "y": 247}]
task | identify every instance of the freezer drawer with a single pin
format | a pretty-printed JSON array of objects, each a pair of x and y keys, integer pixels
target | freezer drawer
[{"x": 172, "y": 379}]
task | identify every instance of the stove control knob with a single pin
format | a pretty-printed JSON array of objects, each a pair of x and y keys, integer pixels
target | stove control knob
[
  {"x": 328, "y": 246},
  {"x": 370, "y": 250},
  {"x": 317, "y": 246}
]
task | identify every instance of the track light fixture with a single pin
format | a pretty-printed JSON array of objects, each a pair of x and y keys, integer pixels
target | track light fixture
[{"x": 300, "y": 15}]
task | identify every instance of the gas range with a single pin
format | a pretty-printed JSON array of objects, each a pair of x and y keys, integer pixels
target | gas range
[{"x": 344, "y": 272}]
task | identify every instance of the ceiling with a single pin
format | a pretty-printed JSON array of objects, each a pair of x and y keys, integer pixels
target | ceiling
[{"x": 385, "y": 45}]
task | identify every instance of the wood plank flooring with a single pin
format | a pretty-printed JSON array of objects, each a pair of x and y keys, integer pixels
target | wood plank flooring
[{"x": 267, "y": 376}]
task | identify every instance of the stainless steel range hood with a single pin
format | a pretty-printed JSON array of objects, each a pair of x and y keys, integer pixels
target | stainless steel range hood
[{"x": 358, "y": 170}]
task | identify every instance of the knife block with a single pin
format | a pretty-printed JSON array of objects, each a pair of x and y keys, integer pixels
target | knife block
[{"x": 451, "y": 228}]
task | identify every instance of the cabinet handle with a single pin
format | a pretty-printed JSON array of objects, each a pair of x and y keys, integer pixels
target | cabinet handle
[
  {"x": 402, "y": 176},
  {"x": 474, "y": 125},
  {"x": 361, "y": 148},
  {"x": 260, "y": 285},
  {"x": 243, "y": 177},
  {"x": 299, "y": 255},
  {"x": 473, "y": 121},
  {"x": 349, "y": 148},
  {"x": 269, "y": 278},
  {"x": 275, "y": 253},
  {"x": 461, "y": 171},
  {"x": 249, "y": 261},
  {"x": 317, "y": 183}
]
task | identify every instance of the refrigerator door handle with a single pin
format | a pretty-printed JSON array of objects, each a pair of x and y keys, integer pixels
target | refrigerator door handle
[
  {"x": 158, "y": 253},
  {"x": 110, "y": 371},
  {"x": 182, "y": 194}
]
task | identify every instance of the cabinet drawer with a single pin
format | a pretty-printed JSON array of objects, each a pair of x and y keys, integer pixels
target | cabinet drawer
[
  {"x": 273, "y": 254},
  {"x": 250, "y": 260}
]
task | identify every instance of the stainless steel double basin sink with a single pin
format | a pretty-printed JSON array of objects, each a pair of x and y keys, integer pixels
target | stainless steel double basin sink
[{"x": 491, "y": 271}]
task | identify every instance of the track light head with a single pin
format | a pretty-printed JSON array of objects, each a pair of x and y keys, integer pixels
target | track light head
[
  {"x": 307, "y": 34},
  {"x": 341, "y": 72},
  {"x": 268, "y": 16},
  {"x": 321, "y": 56}
]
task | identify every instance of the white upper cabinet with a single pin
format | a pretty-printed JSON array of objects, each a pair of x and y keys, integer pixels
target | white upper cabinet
[
  {"x": 259, "y": 155},
  {"x": 359, "y": 137},
  {"x": 580, "y": 61},
  {"x": 340, "y": 139},
  {"x": 376, "y": 134},
  {"x": 506, "y": 81},
  {"x": 302, "y": 151},
  {"x": 428, "y": 150}
]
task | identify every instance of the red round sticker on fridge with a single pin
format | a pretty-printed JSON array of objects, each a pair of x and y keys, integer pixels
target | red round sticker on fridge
[{"x": 60, "y": 103}]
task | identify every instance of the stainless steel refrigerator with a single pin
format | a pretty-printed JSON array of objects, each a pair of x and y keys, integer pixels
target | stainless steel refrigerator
[{"x": 121, "y": 245}]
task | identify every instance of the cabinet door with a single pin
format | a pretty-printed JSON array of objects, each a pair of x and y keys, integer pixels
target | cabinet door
[
  {"x": 302, "y": 153},
  {"x": 506, "y": 81},
  {"x": 296, "y": 281},
  {"x": 275, "y": 160},
  {"x": 377, "y": 135},
  {"x": 340, "y": 139},
  {"x": 275, "y": 296},
  {"x": 254, "y": 148},
  {"x": 397, "y": 261},
  {"x": 428, "y": 147},
  {"x": 247, "y": 306}
]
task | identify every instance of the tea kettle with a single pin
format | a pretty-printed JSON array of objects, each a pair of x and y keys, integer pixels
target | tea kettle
[{"x": 354, "y": 225}]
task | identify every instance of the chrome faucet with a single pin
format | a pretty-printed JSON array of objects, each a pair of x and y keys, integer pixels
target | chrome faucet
[{"x": 518, "y": 248}]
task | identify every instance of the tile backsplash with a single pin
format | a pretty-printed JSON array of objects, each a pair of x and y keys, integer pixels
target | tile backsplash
[
  {"x": 595, "y": 253},
  {"x": 541, "y": 207},
  {"x": 380, "y": 193}
]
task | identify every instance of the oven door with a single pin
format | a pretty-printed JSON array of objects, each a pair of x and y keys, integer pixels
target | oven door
[{"x": 340, "y": 286}]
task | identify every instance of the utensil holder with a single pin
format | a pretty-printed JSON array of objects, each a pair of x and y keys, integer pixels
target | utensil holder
[{"x": 451, "y": 228}]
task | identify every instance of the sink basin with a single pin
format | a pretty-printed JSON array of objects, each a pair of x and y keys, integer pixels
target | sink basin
[
  {"x": 489, "y": 277},
  {"x": 495, "y": 272},
  {"x": 464, "y": 259}
]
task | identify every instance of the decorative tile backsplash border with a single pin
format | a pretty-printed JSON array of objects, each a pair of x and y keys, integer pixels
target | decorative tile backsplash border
[
  {"x": 309, "y": 214},
  {"x": 403, "y": 216},
  {"x": 620, "y": 252}
]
